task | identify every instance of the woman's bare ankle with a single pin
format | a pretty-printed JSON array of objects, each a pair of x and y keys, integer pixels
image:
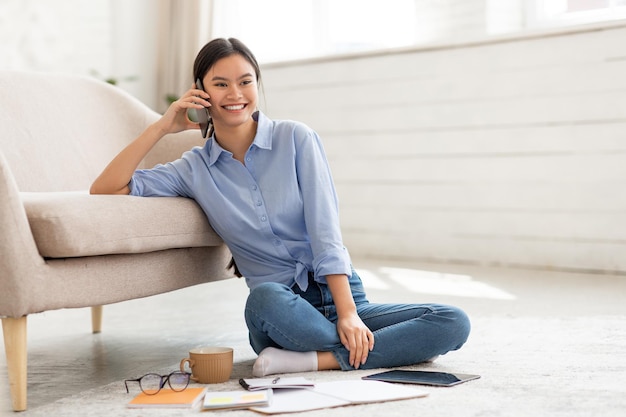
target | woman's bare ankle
[{"x": 326, "y": 361}]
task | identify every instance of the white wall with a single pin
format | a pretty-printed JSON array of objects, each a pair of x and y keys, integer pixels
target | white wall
[
  {"x": 113, "y": 38},
  {"x": 511, "y": 151}
]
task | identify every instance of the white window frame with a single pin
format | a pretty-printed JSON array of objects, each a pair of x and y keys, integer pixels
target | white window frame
[{"x": 539, "y": 17}]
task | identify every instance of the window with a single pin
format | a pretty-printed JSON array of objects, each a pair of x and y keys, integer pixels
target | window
[
  {"x": 544, "y": 13},
  {"x": 290, "y": 29},
  {"x": 279, "y": 30}
]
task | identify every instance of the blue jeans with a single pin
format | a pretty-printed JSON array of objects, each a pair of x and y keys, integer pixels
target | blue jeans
[{"x": 404, "y": 334}]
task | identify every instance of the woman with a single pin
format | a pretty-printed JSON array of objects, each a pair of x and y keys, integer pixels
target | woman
[{"x": 266, "y": 188}]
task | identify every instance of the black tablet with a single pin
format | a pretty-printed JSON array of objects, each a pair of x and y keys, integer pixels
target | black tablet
[{"x": 438, "y": 379}]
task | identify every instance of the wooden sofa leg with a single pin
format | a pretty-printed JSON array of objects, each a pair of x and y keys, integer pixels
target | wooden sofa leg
[
  {"x": 14, "y": 331},
  {"x": 96, "y": 319}
]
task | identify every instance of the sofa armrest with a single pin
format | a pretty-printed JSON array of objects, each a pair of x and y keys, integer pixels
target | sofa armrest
[
  {"x": 19, "y": 257},
  {"x": 171, "y": 147}
]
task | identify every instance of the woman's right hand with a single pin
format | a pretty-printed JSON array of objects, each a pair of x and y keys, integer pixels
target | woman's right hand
[{"x": 176, "y": 119}]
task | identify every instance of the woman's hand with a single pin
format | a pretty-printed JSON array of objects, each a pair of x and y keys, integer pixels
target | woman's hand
[
  {"x": 353, "y": 333},
  {"x": 356, "y": 337},
  {"x": 175, "y": 118}
]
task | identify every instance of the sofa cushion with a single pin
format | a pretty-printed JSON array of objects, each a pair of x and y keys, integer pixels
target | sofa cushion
[{"x": 73, "y": 224}]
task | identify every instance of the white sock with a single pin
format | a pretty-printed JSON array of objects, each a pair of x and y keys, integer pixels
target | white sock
[{"x": 278, "y": 361}]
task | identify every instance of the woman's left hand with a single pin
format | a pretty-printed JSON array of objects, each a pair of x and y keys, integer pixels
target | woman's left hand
[{"x": 356, "y": 337}]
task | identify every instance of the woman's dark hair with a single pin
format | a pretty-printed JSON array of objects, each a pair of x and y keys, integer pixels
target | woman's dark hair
[
  {"x": 232, "y": 265},
  {"x": 221, "y": 48}
]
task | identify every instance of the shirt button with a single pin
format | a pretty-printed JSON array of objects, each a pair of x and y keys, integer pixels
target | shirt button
[
  {"x": 248, "y": 159},
  {"x": 254, "y": 187},
  {"x": 263, "y": 218},
  {"x": 259, "y": 203}
]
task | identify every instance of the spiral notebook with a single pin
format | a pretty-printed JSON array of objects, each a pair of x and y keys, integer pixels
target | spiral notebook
[{"x": 255, "y": 384}]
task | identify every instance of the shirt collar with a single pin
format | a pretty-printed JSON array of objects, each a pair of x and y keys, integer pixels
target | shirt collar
[{"x": 262, "y": 139}]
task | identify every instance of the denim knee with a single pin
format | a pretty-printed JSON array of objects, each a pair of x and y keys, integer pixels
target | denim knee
[{"x": 460, "y": 327}]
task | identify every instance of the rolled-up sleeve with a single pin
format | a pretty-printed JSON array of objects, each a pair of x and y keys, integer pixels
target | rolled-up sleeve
[{"x": 321, "y": 209}]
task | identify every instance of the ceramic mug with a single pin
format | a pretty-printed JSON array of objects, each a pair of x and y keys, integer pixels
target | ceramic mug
[{"x": 209, "y": 365}]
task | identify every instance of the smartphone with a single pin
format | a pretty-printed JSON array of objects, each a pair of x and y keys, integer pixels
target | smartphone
[
  {"x": 202, "y": 115},
  {"x": 438, "y": 379}
]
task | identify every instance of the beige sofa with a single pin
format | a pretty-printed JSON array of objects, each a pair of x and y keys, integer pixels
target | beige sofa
[{"x": 63, "y": 248}]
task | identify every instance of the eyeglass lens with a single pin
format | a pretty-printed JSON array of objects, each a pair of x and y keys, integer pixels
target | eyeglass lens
[
  {"x": 152, "y": 383},
  {"x": 178, "y": 380}
]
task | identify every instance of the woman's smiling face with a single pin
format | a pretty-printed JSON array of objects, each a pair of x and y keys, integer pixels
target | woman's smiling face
[{"x": 234, "y": 92}]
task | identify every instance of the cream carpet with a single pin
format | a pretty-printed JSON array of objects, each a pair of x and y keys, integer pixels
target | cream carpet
[{"x": 529, "y": 366}]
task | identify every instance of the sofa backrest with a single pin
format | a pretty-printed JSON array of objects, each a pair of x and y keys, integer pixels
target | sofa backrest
[{"x": 58, "y": 131}]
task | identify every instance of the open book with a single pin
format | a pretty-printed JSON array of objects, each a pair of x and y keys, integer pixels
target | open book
[{"x": 336, "y": 394}]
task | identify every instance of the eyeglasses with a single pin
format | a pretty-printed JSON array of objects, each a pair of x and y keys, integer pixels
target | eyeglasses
[{"x": 150, "y": 384}]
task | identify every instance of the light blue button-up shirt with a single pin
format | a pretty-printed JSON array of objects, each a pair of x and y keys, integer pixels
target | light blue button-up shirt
[{"x": 278, "y": 213}]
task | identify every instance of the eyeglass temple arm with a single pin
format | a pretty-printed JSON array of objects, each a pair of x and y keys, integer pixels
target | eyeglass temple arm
[{"x": 130, "y": 380}]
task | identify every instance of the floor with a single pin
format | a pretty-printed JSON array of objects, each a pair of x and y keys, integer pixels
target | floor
[{"x": 508, "y": 307}]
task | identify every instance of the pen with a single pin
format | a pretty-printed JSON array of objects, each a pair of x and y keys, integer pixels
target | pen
[{"x": 275, "y": 380}]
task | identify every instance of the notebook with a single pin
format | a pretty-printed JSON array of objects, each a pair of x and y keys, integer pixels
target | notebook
[
  {"x": 254, "y": 384},
  {"x": 221, "y": 400},
  {"x": 166, "y": 398}
]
